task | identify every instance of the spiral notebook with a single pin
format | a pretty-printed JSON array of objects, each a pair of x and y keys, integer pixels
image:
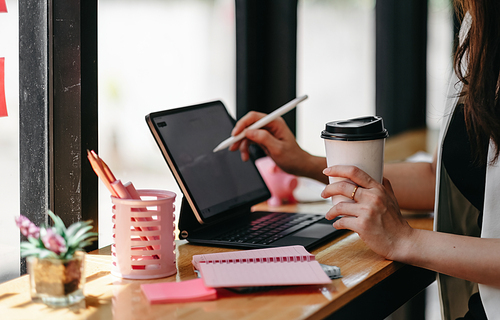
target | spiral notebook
[{"x": 281, "y": 266}]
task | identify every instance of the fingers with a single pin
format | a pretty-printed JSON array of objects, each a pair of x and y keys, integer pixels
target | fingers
[
  {"x": 344, "y": 187},
  {"x": 243, "y": 146},
  {"x": 278, "y": 142},
  {"x": 344, "y": 209},
  {"x": 352, "y": 173},
  {"x": 261, "y": 137},
  {"x": 241, "y": 125},
  {"x": 387, "y": 184},
  {"x": 345, "y": 223},
  {"x": 246, "y": 121},
  {"x": 374, "y": 214},
  {"x": 359, "y": 195},
  {"x": 267, "y": 137}
]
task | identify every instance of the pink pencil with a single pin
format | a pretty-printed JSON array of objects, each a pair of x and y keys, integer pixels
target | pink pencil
[{"x": 115, "y": 186}]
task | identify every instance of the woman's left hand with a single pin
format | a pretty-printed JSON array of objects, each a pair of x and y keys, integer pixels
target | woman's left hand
[{"x": 375, "y": 213}]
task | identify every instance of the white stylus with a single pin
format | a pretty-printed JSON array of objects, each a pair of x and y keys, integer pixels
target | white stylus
[{"x": 262, "y": 122}]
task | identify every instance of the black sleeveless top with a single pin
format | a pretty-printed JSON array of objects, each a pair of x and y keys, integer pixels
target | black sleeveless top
[{"x": 469, "y": 178}]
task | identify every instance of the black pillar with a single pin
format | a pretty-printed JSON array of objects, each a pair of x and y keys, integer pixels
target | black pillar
[
  {"x": 74, "y": 195},
  {"x": 34, "y": 109},
  {"x": 401, "y": 49},
  {"x": 266, "y": 56}
]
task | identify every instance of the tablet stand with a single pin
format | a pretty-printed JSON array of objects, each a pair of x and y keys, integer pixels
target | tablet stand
[{"x": 187, "y": 220}]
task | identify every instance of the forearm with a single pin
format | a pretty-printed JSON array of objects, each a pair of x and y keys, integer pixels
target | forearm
[
  {"x": 313, "y": 168},
  {"x": 464, "y": 257},
  {"x": 413, "y": 184}
]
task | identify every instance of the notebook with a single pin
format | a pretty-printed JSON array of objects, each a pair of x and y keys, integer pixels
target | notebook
[
  {"x": 284, "y": 266},
  {"x": 220, "y": 189}
]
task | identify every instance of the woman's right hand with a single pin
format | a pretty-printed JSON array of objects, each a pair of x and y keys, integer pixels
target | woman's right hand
[{"x": 275, "y": 139}]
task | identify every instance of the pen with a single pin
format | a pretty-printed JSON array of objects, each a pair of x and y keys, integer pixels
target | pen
[
  {"x": 99, "y": 170},
  {"x": 262, "y": 122},
  {"x": 117, "y": 190}
]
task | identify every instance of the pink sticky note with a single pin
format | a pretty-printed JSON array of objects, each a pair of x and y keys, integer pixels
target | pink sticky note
[
  {"x": 184, "y": 291},
  {"x": 3, "y": 6},
  {"x": 3, "y": 104}
]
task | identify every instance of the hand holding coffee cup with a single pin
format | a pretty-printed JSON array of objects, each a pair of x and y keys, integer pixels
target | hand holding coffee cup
[{"x": 359, "y": 142}]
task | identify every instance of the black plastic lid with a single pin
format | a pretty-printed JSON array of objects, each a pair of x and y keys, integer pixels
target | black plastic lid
[{"x": 357, "y": 129}]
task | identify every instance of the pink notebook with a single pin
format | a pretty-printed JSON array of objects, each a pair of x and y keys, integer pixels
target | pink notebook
[
  {"x": 283, "y": 266},
  {"x": 184, "y": 291}
]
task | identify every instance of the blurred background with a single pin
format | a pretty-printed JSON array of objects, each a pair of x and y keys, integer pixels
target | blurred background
[{"x": 161, "y": 54}]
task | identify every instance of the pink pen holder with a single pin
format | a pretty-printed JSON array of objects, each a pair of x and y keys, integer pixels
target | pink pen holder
[{"x": 143, "y": 236}]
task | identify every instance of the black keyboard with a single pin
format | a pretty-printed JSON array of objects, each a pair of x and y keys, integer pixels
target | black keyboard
[{"x": 269, "y": 228}]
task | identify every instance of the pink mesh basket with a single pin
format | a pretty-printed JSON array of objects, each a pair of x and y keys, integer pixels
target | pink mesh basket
[{"x": 143, "y": 236}]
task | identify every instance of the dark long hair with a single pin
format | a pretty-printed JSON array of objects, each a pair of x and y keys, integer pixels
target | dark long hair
[{"x": 480, "y": 53}]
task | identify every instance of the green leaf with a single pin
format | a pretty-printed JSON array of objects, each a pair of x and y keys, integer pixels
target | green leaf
[
  {"x": 76, "y": 236},
  {"x": 26, "y": 253},
  {"x": 83, "y": 231},
  {"x": 87, "y": 243},
  {"x": 81, "y": 236},
  {"x": 45, "y": 253},
  {"x": 28, "y": 246},
  {"x": 82, "y": 228},
  {"x": 78, "y": 232},
  {"x": 58, "y": 223},
  {"x": 72, "y": 229},
  {"x": 37, "y": 242},
  {"x": 29, "y": 249}
]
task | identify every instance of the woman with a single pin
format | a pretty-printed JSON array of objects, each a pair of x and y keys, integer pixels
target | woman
[{"x": 462, "y": 184}]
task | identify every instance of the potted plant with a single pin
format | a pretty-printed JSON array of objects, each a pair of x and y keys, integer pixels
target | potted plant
[{"x": 55, "y": 259}]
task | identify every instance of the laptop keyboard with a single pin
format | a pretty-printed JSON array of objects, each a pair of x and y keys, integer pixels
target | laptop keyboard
[{"x": 269, "y": 228}]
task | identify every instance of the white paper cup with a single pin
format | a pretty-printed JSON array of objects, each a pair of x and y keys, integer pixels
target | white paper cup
[{"x": 359, "y": 142}]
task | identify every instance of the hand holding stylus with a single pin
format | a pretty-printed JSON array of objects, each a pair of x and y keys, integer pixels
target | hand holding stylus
[{"x": 262, "y": 122}]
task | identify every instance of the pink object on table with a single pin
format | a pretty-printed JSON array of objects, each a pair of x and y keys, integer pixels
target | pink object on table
[
  {"x": 143, "y": 236},
  {"x": 185, "y": 291},
  {"x": 280, "y": 183},
  {"x": 280, "y": 266}
]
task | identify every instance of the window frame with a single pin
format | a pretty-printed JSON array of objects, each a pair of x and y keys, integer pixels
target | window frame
[{"x": 57, "y": 110}]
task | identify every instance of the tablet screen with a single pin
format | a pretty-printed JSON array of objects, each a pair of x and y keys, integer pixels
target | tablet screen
[{"x": 215, "y": 182}]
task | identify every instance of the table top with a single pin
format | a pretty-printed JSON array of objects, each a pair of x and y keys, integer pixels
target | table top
[{"x": 110, "y": 297}]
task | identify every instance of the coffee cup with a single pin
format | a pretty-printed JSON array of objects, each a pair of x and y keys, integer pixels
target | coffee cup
[{"x": 359, "y": 142}]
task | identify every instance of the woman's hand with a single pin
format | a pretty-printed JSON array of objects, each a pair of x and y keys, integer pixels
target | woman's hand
[
  {"x": 375, "y": 213},
  {"x": 278, "y": 142},
  {"x": 375, "y": 216}
]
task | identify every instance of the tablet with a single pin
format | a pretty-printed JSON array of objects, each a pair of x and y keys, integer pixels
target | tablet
[{"x": 216, "y": 185}]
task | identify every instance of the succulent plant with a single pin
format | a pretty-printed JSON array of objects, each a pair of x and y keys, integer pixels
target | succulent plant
[{"x": 57, "y": 242}]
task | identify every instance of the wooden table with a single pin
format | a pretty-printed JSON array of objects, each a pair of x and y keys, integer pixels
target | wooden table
[{"x": 371, "y": 288}]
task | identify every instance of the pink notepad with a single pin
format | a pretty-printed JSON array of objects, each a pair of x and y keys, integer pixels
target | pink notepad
[
  {"x": 281, "y": 266},
  {"x": 185, "y": 291}
]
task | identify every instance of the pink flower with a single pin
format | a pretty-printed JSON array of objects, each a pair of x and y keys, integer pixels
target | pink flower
[
  {"x": 54, "y": 242},
  {"x": 28, "y": 228}
]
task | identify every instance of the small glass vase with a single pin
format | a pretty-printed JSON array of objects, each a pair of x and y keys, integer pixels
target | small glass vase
[{"x": 58, "y": 283}]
